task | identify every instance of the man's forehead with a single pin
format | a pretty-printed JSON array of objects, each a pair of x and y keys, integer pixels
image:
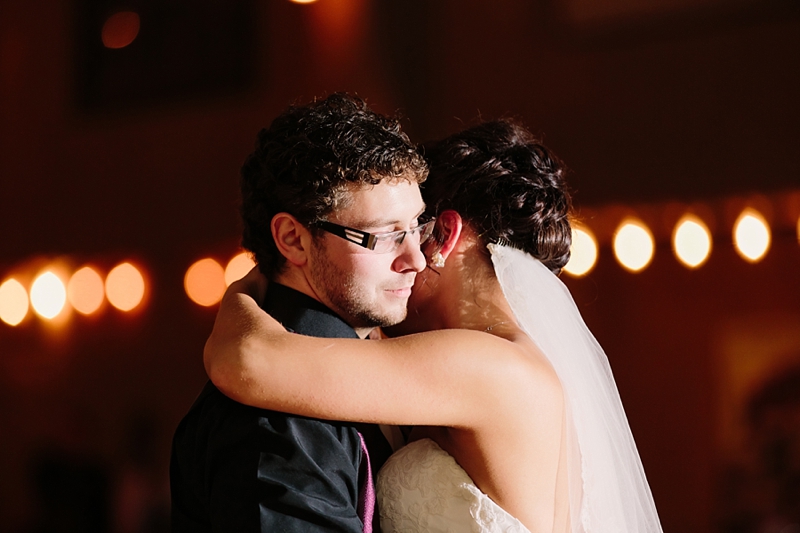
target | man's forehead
[{"x": 390, "y": 201}]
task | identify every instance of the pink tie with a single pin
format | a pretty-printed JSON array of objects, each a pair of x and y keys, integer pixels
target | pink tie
[{"x": 366, "y": 502}]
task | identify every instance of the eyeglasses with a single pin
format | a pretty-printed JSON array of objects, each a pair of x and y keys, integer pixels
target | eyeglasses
[{"x": 378, "y": 242}]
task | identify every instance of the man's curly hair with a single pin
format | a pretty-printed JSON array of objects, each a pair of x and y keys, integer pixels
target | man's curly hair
[{"x": 304, "y": 162}]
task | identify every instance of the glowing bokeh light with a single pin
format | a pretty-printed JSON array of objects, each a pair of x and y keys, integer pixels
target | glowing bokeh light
[
  {"x": 633, "y": 245},
  {"x": 583, "y": 253},
  {"x": 85, "y": 291},
  {"x": 120, "y": 29},
  {"x": 205, "y": 282},
  {"x": 798, "y": 229},
  {"x": 48, "y": 295},
  {"x": 691, "y": 241},
  {"x": 13, "y": 302},
  {"x": 125, "y": 287},
  {"x": 238, "y": 267},
  {"x": 302, "y": 1},
  {"x": 751, "y": 235}
]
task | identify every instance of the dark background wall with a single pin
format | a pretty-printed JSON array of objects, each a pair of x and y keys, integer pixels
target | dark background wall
[{"x": 105, "y": 157}]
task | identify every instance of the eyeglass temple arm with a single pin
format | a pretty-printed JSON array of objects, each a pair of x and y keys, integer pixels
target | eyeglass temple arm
[{"x": 362, "y": 238}]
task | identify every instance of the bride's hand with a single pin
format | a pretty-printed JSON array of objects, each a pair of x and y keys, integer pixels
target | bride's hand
[{"x": 239, "y": 320}]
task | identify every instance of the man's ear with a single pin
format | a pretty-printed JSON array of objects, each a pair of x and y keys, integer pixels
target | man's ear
[
  {"x": 291, "y": 237},
  {"x": 449, "y": 225}
]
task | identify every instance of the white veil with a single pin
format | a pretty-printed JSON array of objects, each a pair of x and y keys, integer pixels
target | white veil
[{"x": 607, "y": 486}]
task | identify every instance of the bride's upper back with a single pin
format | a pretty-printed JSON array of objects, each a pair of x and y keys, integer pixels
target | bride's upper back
[{"x": 514, "y": 446}]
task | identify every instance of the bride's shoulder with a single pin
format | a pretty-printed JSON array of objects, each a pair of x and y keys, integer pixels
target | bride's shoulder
[
  {"x": 507, "y": 347},
  {"x": 522, "y": 355},
  {"x": 504, "y": 361},
  {"x": 516, "y": 362},
  {"x": 530, "y": 373}
]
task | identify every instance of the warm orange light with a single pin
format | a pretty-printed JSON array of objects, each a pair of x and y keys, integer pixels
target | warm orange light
[
  {"x": 48, "y": 295},
  {"x": 85, "y": 291},
  {"x": 583, "y": 253},
  {"x": 691, "y": 241},
  {"x": 798, "y": 229},
  {"x": 120, "y": 29},
  {"x": 633, "y": 245},
  {"x": 205, "y": 282},
  {"x": 238, "y": 267},
  {"x": 125, "y": 287},
  {"x": 303, "y": 1},
  {"x": 751, "y": 235},
  {"x": 13, "y": 302}
]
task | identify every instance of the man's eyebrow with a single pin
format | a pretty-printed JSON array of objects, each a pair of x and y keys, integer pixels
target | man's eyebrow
[{"x": 380, "y": 222}]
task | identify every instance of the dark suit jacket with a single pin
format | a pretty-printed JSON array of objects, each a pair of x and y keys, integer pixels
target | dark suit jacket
[{"x": 236, "y": 468}]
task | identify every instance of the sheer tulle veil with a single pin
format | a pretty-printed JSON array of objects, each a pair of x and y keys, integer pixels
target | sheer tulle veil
[{"x": 607, "y": 485}]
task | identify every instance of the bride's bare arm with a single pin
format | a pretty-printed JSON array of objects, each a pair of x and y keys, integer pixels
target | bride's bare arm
[{"x": 443, "y": 378}]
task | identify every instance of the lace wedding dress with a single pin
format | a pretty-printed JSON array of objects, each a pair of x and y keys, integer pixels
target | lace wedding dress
[{"x": 421, "y": 488}]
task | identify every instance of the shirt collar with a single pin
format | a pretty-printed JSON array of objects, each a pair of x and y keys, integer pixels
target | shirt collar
[{"x": 302, "y": 314}]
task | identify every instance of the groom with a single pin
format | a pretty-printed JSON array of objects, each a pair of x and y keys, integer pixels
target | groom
[{"x": 328, "y": 198}]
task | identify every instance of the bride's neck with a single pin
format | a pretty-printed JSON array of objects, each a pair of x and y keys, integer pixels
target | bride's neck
[{"x": 472, "y": 296}]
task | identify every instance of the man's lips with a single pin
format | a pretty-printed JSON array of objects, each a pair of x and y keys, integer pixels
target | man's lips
[{"x": 403, "y": 292}]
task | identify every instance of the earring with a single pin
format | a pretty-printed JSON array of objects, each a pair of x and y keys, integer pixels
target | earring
[{"x": 436, "y": 259}]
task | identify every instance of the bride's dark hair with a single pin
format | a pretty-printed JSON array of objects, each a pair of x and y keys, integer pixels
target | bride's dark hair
[{"x": 506, "y": 185}]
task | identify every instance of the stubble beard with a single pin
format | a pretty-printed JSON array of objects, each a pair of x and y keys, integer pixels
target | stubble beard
[
  {"x": 349, "y": 299},
  {"x": 416, "y": 320}
]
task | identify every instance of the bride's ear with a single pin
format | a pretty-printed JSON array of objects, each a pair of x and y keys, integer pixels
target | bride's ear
[{"x": 448, "y": 228}]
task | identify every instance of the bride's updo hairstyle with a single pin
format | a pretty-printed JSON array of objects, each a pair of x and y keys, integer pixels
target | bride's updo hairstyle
[{"x": 506, "y": 185}]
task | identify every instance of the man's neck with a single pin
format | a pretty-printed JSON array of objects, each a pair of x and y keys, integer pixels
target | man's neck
[{"x": 294, "y": 279}]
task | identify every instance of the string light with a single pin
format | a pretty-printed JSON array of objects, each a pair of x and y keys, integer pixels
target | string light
[
  {"x": 125, "y": 287},
  {"x": 205, "y": 282},
  {"x": 751, "y": 235},
  {"x": 633, "y": 245},
  {"x": 691, "y": 241},
  {"x": 583, "y": 252},
  {"x": 13, "y": 302},
  {"x": 85, "y": 291},
  {"x": 238, "y": 267},
  {"x": 48, "y": 295},
  {"x": 798, "y": 229}
]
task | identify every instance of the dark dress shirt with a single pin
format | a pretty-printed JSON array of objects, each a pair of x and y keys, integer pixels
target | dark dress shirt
[{"x": 236, "y": 468}]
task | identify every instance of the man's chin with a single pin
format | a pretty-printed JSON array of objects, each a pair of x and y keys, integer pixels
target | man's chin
[
  {"x": 380, "y": 320},
  {"x": 393, "y": 320}
]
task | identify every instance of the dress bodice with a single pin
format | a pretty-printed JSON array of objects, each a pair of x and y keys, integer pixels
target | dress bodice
[{"x": 421, "y": 488}]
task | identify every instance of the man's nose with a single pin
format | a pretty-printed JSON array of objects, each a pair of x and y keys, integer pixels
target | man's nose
[{"x": 410, "y": 256}]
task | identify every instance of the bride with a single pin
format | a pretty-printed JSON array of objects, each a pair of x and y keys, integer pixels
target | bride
[{"x": 518, "y": 423}]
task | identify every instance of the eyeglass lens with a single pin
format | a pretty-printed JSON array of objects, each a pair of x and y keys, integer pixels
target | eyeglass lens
[{"x": 390, "y": 242}]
